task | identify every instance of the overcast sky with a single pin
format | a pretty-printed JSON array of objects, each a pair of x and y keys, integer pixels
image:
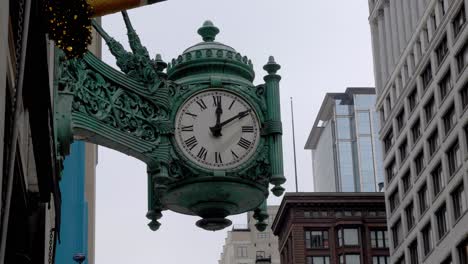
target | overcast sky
[{"x": 322, "y": 46}]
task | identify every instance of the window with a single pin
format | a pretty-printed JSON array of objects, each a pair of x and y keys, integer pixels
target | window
[
  {"x": 350, "y": 259},
  {"x": 382, "y": 115},
  {"x": 459, "y": 201},
  {"x": 423, "y": 199},
  {"x": 448, "y": 260},
  {"x": 443, "y": 7},
  {"x": 433, "y": 142},
  {"x": 462, "y": 249},
  {"x": 403, "y": 149},
  {"x": 413, "y": 251},
  {"x": 409, "y": 212},
  {"x": 445, "y": 85},
  {"x": 416, "y": 130},
  {"x": 388, "y": 140},
  {"x": 263, "y": 235},
  {"x": 438, "y": 182},
  {"x": 316, "y": 239},
  {"x": 390, "y": 170},
  {"x": 388, "y": 102},
  {"x": 462, "y": 58},
  {"x": 442, "y": 225},
  {"x": 454, "y": 158},
  {"x": 394, "y": 200},
  {"x": 441, "y": 50},
  {"x": 419, "y": 162},
  {"x": 464, "y": 95},
  {"x": 318, "y": 260},
  {"x": 434, "y": 22},
  {"x": 400, "y": 118},
  {"x": 348, "y": 237},
  {"x": 397, "y": 233},
  {"x": 449, "y": 119},
  {"x": 459, "y": 21},
  {"x": 260, "y": 254},
  {"x": 427, "y": 239},
  {"x": 429, "y": 109},
  {"x": 412, "y": 99},
  {"x": 242, "y": 252},
  {"x": 406, "y": 181},
  {"x": 379, "y": 238},
  {"x": 380, "y": 260},
  {"x": 426, "y": 76}
]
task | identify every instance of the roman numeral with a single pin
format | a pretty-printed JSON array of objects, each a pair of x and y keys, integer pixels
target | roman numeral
[
  {"x": 234, "y": 154},
  {"x": 230, "y": 106},
  {"x": 218, "y": 158},
  {"x": 216, "y": 100},
  {"x": 247, "y": 129},
  {"x": 191, "y": 142},
  {"x": 190, "y": 114},
  {"x": 187, "y": 128},
  {"x": 244, "y": 143},
  {"x": 202, "y": 153},
  {"x": 202, "y": 104}
]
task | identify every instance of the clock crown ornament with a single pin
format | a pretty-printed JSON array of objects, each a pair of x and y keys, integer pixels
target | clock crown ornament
[{"x": 211, "y": 139}]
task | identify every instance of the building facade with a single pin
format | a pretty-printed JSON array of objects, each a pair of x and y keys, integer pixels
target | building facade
[
  {"x": 326, "y": 228},
  {"x": 246, "y": 245},
  {"x": 420, "y": 51},
  {"x": 346, "y": 152}
]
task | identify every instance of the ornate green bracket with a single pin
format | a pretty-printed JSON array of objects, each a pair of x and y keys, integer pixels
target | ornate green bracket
[{"x": 134, "y": 112}]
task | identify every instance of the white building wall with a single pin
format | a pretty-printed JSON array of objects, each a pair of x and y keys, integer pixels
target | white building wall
[{"x": 324, "y": 162}]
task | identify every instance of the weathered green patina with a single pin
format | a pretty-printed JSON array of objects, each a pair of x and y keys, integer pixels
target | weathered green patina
[{"x": 133, "y": 111}]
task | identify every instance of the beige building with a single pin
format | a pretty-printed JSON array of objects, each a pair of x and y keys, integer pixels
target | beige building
[
  {"x": 245, "y": 245},
  {"x": 420, "y": 50}
]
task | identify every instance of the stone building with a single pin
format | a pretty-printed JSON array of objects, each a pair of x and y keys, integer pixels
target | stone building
[
  {"x": 325, "y": 228},
  {"x": 420, "y": 53},
  {"x": 246, "y": 245}
]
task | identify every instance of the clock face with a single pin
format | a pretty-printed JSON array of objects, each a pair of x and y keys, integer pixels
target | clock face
[{"x": 217, "y": 129}]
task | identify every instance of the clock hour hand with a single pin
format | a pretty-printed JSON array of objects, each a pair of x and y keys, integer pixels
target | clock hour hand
[{"x": 216, "y": 130}]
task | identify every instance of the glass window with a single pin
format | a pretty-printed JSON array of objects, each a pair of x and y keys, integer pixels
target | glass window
[
  {"x": 397, "y": 233},
  {"x": 448, "y": 260},
  {"x": 388, "y": 140},
  {"x": 353, "y": 259},
  {"x": 449, "y": 119},
  {"x": 380, "y": 260},
  {"x": 438, "y": 182},
  {"x": 416, "y": 130},
  {"x": 413, "y": 251},
  {"x": 443, "y": 7},
  {"x": 316, "y": 239},
  {"x": 400, "y": 118},
  {"x": 454, "y": 158},
  {"x": 364, "y": 101},
  {"x": 341, "y": 107},
  {"x": 394, "y": 200},
  {"x": 379, "y": 238},
  {"x": 390, "y": 170},
  {"x": 423, "y": 199},
  {"x": 427, "y": 239},
  {"x": 459, "y": 201},
  {"x": 433, "y": 141},
  {"x": 348, "y": 237},
  {"x": 462, "y": 58},
  {"x": 318, "y": 260},
  {"x": 413, "y": 99},
  {"x": 441, "y": 50},
  {"x": 409, "y": 212},
  {"x": 429, "y": 109},
  {"x": 403, "y": 149},
  {"x": 426, "y": 76},
  {"x": 366, "y": 159},
  {"x": 445, "y": 85},
  {"x": 260, "y": 254},
  {"x": 442, "y": 225},
  {"x": 419, "y": 162},
  {"x": 459, "y": 21},
  {"x": 462, "y": 249},
  {"x": 343, "y": 127},
  {"x": 363, "y": 122},
  {"x": 242, "y": 252},
  {"x": 464, "y": 96},
  {"x": 346, "y": 166},
  {"x": 406, "y": 181}
]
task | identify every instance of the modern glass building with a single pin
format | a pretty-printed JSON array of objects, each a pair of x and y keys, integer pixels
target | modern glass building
[{"x": 346, "y": 152}]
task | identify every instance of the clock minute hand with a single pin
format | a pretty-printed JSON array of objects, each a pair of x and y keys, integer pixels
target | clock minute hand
[{"x": 217, "y": 128}]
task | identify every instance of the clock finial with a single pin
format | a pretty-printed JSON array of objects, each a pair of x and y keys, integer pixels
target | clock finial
[{"x": 208, "y": 31}]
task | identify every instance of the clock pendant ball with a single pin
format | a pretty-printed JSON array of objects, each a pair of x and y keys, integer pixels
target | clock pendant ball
[{"x": 217, "y": 130}]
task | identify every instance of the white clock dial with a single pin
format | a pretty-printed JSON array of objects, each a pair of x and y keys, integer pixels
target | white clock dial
[{"x": 217, "y": 129}]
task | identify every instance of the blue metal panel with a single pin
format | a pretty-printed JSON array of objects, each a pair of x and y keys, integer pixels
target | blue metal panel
[{"x": 74, "y": 227}]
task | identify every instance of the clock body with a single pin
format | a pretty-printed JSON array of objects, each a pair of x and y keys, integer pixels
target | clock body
[{"x": 217, "y": 129}]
